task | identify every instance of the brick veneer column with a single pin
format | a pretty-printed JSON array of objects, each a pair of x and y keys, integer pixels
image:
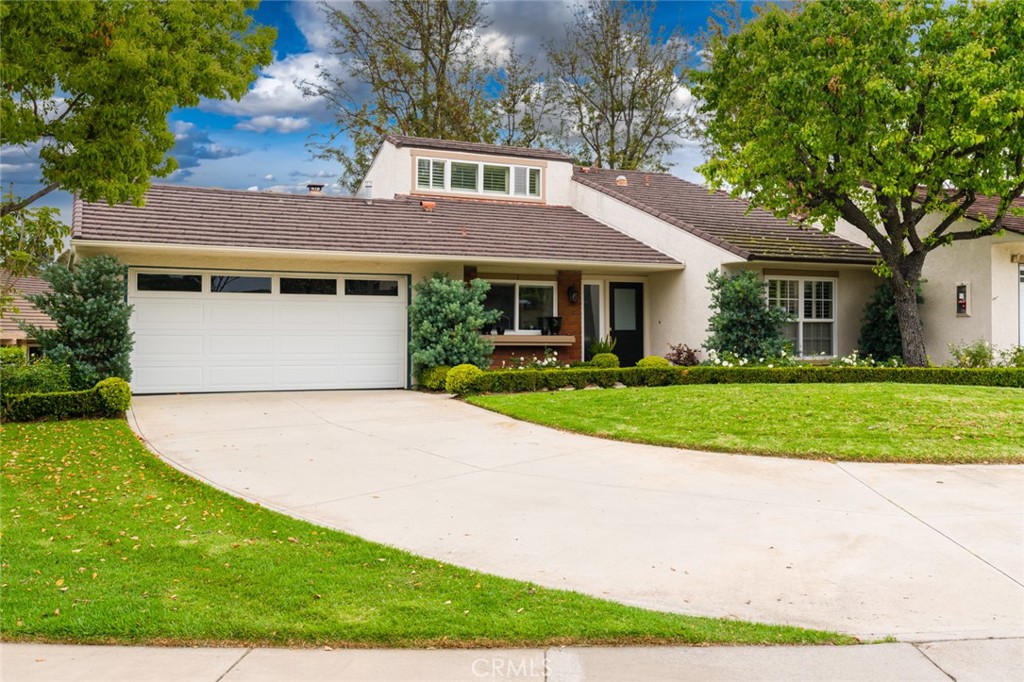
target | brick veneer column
[{"x": 571, "y": 313}]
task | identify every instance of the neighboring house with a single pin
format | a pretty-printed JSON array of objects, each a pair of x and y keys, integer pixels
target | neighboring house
[
  {"x": 21, "y": 310},
  {"x": 238, "y": 290},
  {"x": 974, "y": 289}
]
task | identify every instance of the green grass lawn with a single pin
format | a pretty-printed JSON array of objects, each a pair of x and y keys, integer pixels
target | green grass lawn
[
  {"x": 861, "y": 422},
  {"x": 104, "y": 543}
]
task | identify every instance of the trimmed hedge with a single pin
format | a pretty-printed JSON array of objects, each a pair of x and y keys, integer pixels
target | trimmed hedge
[
  {"x": 41, "y": 376},
  {"x": 519, "y": 381},
  {"x": 460, "y": 378},
  {"x": 108, "y": 398},
  {"x": 433, "y": 378},
  {"x": 13, "y": 355}
]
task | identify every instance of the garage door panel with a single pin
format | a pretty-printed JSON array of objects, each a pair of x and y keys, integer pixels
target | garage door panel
[
  {"x": 240, "y": 314},
  {"x": 196, "y": 342},
  {"x": 169, "y": 345},
  {"x": 168, "y": 314}
]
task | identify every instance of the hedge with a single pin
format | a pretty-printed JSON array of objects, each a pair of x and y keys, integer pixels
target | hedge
[
  {"x": 41, "y": 376},
  {"x": 108, "y": 398},
  {"x": 518, "y": 381}
]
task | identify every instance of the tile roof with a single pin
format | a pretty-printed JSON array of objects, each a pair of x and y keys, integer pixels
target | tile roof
[
  {"x": 462, "y": 229},
  {"x": 988, "y": 205},
  {"x": 475, "y": 147},
  {"x": 722, "y": 220},
  {"x": 26, "y": 311}
]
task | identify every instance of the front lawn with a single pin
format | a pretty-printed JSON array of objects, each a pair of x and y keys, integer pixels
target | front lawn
[
  {"x": 104, "y": 543},
  {"x": 860, "y": 422}
]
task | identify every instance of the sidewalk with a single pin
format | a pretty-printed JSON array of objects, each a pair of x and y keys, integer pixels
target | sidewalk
[{"x": 964, "y": 661}]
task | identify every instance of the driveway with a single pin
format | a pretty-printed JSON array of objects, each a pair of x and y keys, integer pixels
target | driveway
[{"x": 922, "y": 552}]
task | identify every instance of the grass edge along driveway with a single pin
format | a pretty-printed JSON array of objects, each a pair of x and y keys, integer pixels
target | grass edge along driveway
[
  {"x": 871, "y": 422},
  {"x": 105, "y": 543}
]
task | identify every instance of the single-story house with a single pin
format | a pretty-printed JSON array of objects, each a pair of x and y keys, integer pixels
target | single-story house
[
  {"x": 236, "y": 290},
  {"x": 22, "y": 311},
  {"x": 973, "y": 290}
]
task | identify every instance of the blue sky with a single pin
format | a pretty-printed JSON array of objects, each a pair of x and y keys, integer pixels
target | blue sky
[{"x": 260, "y": 142}]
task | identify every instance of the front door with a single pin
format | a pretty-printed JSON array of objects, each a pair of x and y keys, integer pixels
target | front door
[{"x": 626, "y": 301}]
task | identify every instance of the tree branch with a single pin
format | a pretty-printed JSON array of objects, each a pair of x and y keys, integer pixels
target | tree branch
[{"x": 22, "y": 203}]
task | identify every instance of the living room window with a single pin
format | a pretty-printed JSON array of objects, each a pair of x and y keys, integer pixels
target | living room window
[
  {"x": 467, "y": 177},
  {"x": 522, "y": 304},
  {"x": 811, "y": 303}
]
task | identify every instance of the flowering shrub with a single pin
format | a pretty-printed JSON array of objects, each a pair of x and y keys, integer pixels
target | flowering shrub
[
  {"x": 682, "y": 355},
  {"x": 550, "y": 361},
  {"x": 727, "y": 359},
  {"x": 854, "y": 359}
]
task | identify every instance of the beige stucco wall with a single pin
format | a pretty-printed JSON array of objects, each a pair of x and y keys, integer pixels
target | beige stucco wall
[{"x": 389, "y": 172}]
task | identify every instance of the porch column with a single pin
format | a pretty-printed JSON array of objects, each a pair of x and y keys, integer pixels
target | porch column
[{"x": 571, "y": 313}]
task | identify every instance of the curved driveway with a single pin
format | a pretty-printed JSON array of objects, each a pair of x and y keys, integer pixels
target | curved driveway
[{"x": 921, "y": 552}]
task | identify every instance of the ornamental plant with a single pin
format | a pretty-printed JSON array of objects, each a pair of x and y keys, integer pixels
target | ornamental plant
[
  {"x": 880, "y": 335},
  {"x": 87, "y": 304},
  {"x": 446, "y": 316},
  {"x": 742, "y": 323}
]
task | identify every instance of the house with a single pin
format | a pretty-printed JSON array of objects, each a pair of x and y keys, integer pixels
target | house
[
  {"x": 22, "y": 311},
  {"x": 236, "y": 291},
  {"x": 974, "y": 290}
]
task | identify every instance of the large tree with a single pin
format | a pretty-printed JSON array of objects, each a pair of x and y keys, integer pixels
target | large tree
[
  {"x": 92, "y": 83},
  {"x": 29, "y": 239},
  {"x": 617, "y": 86},
  {"x": 412, "y": 67},
  {"x": 893, "y": 116}
]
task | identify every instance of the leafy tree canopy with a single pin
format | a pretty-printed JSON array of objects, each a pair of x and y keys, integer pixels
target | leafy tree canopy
[
  {"x": 93, "y": 82},
  {"x": 29, "y": 239},
  {"x": 878, "y": 113}
]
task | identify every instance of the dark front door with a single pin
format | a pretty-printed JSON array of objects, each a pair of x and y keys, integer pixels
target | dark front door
[{"x": 627, "y": 323}]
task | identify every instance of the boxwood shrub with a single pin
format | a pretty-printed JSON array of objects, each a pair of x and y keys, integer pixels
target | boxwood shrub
[
  {"x": 108, "y": 398},
  {"x": 518, "y": 381},
  {"x": 41, "y": 376}
]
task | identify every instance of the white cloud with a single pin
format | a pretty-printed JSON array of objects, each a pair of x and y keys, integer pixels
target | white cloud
[
  {"x": 254, "y": 188},
  {"x": 268, "y": 176},
  {"x": 310, "y": 19},
  {"x": 276, "y": 92},
  {"x": 279, "y": 124}
]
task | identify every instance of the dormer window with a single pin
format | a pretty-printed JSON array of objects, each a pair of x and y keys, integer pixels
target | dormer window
[{"x": 470, "y": 177}]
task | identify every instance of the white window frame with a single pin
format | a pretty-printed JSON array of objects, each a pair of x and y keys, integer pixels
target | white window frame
[
  {"x": 515, "y": 312},
  {"x": 510, "y": 194},
  {"x": 800, "y": 320}
]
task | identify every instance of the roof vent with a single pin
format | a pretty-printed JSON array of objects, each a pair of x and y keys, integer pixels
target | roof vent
[
  {"x": 621, "y": 181},
  {"x": 315, "y": 190},
  {"x": 368, "y": 185},
  {"x": 428, "y": 206},
  {"x": 647, "y": 181}
]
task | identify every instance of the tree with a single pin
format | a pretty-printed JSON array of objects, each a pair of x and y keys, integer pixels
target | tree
[
  {"x": 87, "y": 304},
  {"x": 880, "y": 328},
  {"x": 93, "y": 82},
  {"x": 742, "y": 322},
  {"x": 410, "y": 67},
  {"x": 883, "y": 114},
  {"x": 29, "y": 239},
  {"x": 617, "y": 85},
  {"x": 445, "y": 317},
  {"x": 522, "y": 106}
]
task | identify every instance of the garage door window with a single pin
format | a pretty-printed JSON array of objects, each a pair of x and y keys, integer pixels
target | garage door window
[
  {"x": 371, "y": 287},
  {"x": 309, "y": 285},
  {"x": 236, "y": 284},
  {"x": 165, "y": 282}
]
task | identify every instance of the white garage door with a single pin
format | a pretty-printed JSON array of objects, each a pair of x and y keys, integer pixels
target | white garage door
[{"x": 231, "y": 331}]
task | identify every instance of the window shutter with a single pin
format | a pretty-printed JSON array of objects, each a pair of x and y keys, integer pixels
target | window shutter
[
  {"x": 519, "y": 182},
  {"x": 534, "y": 182},
  {"x": 423, "y": 173}
]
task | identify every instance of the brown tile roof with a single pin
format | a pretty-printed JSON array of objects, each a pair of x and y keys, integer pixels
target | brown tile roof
[
  {"x": 723, "y": 221},
  {"x": 26, "y": 312},
  {"x": 475, "y": 147},
  {"x": 987, "y": 206},
  {"x": 231, "y": 218}
]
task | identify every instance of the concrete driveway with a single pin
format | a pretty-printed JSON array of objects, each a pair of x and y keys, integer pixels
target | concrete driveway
[{"x": 921, "y": 552}]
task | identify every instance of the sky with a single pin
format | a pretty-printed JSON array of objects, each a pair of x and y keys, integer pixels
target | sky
[{"x": 260, "y": 142}]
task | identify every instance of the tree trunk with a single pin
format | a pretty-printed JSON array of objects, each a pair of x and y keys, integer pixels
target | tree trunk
[{"x": 909, "y": 315}]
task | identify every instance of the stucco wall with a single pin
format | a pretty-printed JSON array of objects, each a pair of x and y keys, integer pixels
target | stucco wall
[{"x": 390, "y": 172}]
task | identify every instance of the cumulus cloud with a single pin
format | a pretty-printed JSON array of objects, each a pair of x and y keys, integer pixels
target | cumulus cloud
[
  {"x": 276, "y": 92},
  {"x": 192, "y": 146},
  {"x": 279, "y": 124}
]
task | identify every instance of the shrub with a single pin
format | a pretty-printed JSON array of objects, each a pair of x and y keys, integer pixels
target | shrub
[
  {"x": 1012, "y": 357},
  {"x": 549, "y": 361},
  {"x": 741, "y": 321},
  {"x": 433, "y": 378},
  {"x": 972, "y": 355},
  {"x": 653, "y": 361},
  {"x": 446, "y": 316},
  {"x": 108, "y": 398},
  {"x": 727, "y": 359},
  {"x": 605, "y": 360},
  {"x": 460, "y": 379},
  {"x": 682, "y": 355},
  {"x": 880, "y": 335},
  {"x": 602, "y": 346},
  {"x": 13, "y": 355},
  {"x": 87, "y": 304},
  {"x": 41, "y": 376},
  {"x": 535, "y": 380}
]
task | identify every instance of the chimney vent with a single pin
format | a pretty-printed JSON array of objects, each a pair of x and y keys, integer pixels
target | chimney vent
[
  {"x": 428, "y": 206},
  {"x": 621, "y": 181},
  {"x": 647, "y": 181},
  {"x": 369, "y": 192},
  {"x": 315, "y": 189}
]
